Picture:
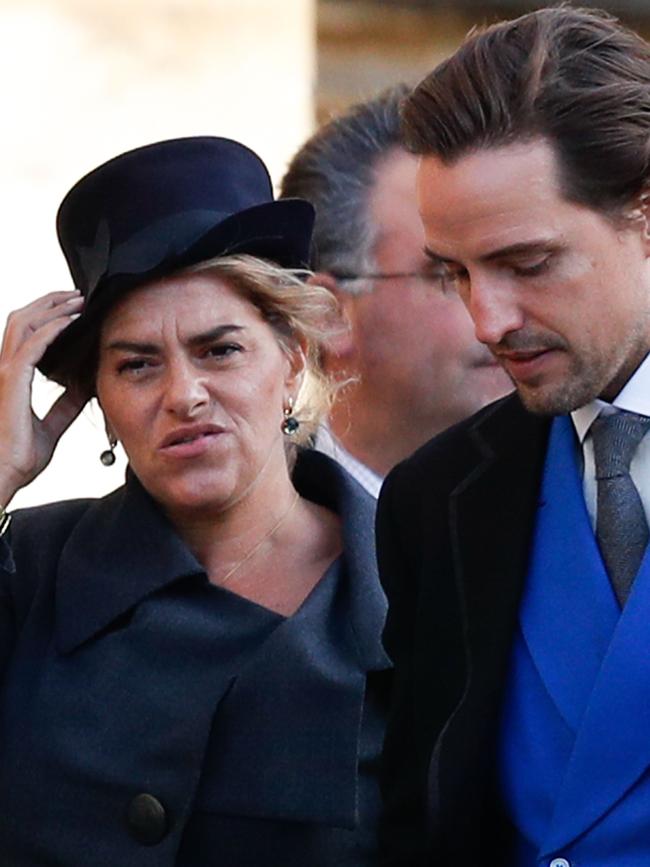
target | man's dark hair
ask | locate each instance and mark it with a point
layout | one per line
(575, 77)
(335, 170)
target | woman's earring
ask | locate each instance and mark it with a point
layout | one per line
(107, 457)
(290, 424)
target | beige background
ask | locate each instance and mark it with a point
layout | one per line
(83, 80)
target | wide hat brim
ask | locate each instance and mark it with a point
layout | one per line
(125, 225)
(279, 231)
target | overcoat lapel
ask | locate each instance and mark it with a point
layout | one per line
(302, 729)
(117, 713)
(332, 487)
(311, 756)
(122, 550)
(491, 516)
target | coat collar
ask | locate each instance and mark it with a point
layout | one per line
(324, 481)
(124, 549)
(329, 645)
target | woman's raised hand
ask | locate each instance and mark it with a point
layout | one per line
(27, 442)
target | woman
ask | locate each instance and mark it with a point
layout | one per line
(192, 665)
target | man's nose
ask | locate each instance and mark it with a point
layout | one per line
(494, 309)
(185, 388)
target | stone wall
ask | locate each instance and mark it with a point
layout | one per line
(364, 46)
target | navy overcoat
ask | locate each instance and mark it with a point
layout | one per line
(112, 680)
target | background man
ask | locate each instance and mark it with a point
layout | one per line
(512, 547)
(410, 351)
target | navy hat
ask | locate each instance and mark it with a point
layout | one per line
(160, 208)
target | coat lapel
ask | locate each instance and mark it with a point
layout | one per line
(491, 515)
(131, 711)
(305, 731)
(302, 729)
(568, 612)
(612, 749)
(330, 485)
(122, 550)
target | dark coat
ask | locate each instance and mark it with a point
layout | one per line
(112, 679)
(454, 530)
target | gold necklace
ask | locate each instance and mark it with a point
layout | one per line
(264, 539)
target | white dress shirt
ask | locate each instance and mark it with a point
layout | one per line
(634, 397)
(327, 443)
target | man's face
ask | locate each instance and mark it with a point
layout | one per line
(415, 344)
(557, 291)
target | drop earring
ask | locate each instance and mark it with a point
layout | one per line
(290, 424)
(107, 457)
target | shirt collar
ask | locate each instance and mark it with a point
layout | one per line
(633, 397)
(330, 445)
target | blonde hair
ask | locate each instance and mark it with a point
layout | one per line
(303, 316)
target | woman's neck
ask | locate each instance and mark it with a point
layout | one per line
(221, 536)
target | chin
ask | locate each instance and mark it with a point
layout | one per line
(556, 401)
(192, 496)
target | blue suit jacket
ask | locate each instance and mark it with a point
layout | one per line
(574, 741)
(111, 679)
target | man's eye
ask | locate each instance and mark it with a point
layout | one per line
(532, 267)
(223, 350)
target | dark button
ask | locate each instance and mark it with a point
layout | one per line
(146, 819)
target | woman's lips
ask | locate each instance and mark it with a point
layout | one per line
(190, 442)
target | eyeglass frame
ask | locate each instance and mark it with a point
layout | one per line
(396, 275)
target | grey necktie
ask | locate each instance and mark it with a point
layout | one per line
(621, 527)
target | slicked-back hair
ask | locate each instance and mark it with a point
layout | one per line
(335, 170)
(574, 77)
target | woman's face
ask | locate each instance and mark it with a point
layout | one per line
(193, 383)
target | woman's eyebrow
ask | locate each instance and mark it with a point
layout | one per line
(148, 348)
(133, 346)
(213, 334)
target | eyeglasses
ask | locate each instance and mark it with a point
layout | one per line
(437, 277)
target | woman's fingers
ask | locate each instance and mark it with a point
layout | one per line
(29, 350)
(27, 443)
(30, 320)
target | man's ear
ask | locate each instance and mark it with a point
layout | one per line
(639, 213)
(644, 209)
(340, 342)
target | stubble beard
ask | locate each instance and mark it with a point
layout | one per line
(557, 399)
(587, 379)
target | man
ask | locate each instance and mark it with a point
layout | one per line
(410, 358)
(512, 547)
